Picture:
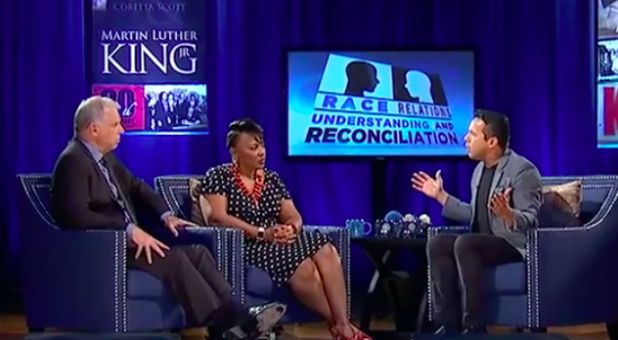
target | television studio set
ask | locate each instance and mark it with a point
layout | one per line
(309, 169)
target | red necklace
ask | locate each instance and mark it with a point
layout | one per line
(256, 193)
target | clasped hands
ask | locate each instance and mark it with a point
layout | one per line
(281, 234)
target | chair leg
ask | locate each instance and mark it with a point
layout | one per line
(532, 329)
(538, 330)
(612, 330)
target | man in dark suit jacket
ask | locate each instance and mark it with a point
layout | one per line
(92, 189)
(506, 198)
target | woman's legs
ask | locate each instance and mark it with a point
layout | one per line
(319, 284)
(329, 266)
(307, 285)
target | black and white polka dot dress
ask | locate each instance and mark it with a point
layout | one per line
(279, 261)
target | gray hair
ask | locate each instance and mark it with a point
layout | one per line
(91, 110)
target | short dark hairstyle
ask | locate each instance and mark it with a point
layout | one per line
(246, 125)
(496, 125)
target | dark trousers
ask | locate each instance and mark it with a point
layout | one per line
(192, 276)
(457, 264)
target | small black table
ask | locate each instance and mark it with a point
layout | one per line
(410, 316)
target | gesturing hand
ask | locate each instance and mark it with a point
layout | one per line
(431, 187)
(500, 206)
(148, 244)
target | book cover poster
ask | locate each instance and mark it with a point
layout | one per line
(137, 44)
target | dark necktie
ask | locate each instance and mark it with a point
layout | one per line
(114, 189)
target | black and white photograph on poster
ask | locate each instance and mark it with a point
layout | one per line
(176, 107)
(608, 18)
(608, 60)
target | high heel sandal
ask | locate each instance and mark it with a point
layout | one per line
(338, 336)
(360, 335)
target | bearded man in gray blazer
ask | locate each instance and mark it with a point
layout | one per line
(506, 198)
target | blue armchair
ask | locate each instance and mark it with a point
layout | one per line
(569, 275)
(79, 280)
(252, 285)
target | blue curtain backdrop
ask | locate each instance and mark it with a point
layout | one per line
(534, 62)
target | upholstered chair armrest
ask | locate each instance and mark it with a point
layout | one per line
(75, 272)
(339, 235)
(574, 265)
(234, 241)
(436, 230)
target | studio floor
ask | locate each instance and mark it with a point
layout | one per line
(13, 327)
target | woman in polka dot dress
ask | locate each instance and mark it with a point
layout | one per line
(248, 197)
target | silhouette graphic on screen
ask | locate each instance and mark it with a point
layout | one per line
(362, 76)
(418, 85)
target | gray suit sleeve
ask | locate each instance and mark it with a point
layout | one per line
(526, 198)
(460, 211)
(457, 210)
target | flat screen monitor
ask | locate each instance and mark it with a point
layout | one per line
(379, 103)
